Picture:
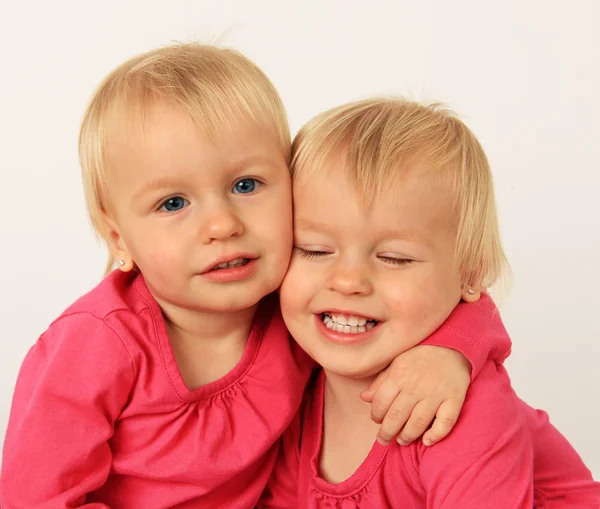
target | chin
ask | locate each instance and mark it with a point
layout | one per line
(233, 298)
(353, 369)
(232, 304)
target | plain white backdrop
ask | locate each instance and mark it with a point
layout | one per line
(525, 75)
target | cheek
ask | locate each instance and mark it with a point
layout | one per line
(298, 289)
(412, 304)
(275, 224)
(425, 301)
(297, 292)
(155, 253)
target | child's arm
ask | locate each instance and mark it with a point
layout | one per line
(488, 459)
(73, 384)
(475, 330)
(281, 491)
(430, 381)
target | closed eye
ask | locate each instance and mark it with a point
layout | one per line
(395, 261)
(310, 254)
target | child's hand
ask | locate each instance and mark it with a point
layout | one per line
(422, 384)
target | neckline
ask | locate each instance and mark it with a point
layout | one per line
(366, 470)
(183, 392)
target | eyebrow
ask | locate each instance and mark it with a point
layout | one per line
(385, 234)
(403, 235)
(168, 182)
(309, 225)
(254, 160)
(157, 184)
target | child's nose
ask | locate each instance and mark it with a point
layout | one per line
(350, 279)
(221, 224)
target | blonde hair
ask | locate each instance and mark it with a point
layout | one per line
(381, 137)
(216, 87)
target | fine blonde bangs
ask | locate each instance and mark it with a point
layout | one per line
(380, 138)
(216, 87)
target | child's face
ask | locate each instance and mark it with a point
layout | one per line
(180, 205)
(392, 262)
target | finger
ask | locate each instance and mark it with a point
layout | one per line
(445, 419)
(369, 392)
(396, 417)
(420, 419)
(383, 399)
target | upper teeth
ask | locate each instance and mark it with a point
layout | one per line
(349, 324)
(232, 263)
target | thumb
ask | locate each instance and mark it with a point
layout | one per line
(368, 394)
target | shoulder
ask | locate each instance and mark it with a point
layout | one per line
(79, 355)
(491, 424)
(118, 291)
(105, 322)
(491, 394)
(119, 307)
(491, 408)
(487, 460)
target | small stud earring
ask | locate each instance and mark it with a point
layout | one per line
(121, 263)
(470, 291)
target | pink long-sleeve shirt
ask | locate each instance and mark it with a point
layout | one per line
(101, 417)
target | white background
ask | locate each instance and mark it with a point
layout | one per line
(524, 75)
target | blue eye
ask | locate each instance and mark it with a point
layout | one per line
(174, 204)
(246, 186)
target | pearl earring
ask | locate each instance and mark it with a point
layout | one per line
(121, 263)
(470, 291)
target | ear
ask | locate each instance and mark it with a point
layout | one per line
(112, 236)
(470, 294)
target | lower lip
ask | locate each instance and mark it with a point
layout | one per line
(342, 337)
(232, 274)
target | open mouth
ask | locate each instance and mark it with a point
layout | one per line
(349, 324)
(238, 262)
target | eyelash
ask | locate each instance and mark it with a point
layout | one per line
(310, 255)
(396, 261)
(257, 185)
(162, 206)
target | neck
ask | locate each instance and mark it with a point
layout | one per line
(207, 326)
(343, 393)
(348, 431)
(206, 345)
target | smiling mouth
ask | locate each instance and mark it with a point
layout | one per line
(238, 262)
(352, 324)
